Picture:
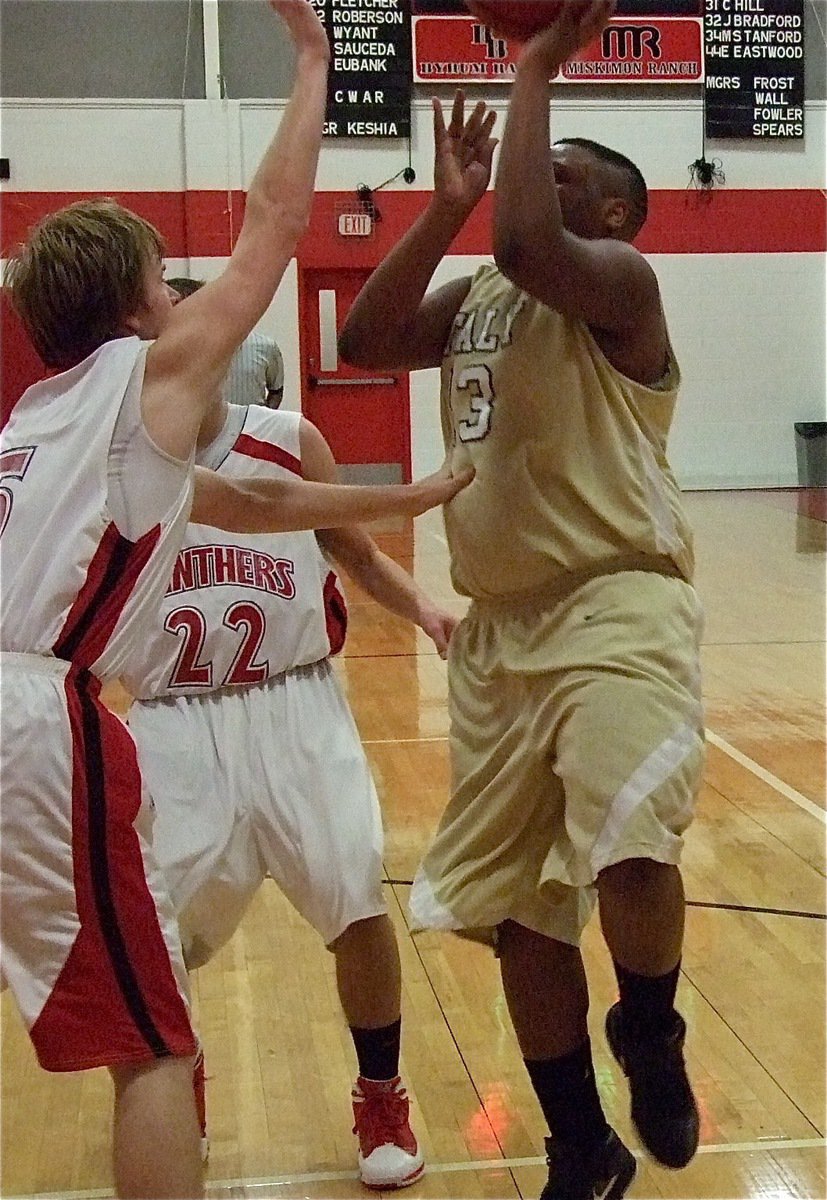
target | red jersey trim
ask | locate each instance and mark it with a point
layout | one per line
(110, 580)
(254, 448)
(335, 613)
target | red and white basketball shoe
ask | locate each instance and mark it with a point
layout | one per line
(389, 1156)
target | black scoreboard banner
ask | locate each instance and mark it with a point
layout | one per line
(754, 52)
(371, 69)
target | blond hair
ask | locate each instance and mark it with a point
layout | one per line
(78, 275)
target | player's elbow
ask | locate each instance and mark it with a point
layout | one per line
(371, 345)
(354, 345)
(532, 264)
(282, 219)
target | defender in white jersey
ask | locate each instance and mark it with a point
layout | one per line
(243, 643)
(97, 481)
(576, 720)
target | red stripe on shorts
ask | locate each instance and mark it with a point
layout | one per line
(116, 1000)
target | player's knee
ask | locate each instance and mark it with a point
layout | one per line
(634, 876)
(363, 929)
(153, 1069)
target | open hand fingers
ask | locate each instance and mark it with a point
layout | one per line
(457, 115)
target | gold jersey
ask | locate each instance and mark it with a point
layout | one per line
(570, 455)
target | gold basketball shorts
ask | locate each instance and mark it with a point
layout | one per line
(576, 743)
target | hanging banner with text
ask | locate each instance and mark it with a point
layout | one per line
(754, 68)
(370, 83)
(648, 41)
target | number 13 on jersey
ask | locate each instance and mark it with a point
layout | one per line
(474, 390)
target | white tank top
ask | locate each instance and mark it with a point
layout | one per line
(241, 608)
(74, 587)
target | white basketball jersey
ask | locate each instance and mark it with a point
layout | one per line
(241, 608)
(73, 586)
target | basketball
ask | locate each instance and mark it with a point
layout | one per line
(518, 19)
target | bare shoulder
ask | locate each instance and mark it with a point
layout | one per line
(318, 463)
(641, 350)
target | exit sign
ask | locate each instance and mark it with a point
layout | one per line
(355, 224)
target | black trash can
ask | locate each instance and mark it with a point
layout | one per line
(811, 453)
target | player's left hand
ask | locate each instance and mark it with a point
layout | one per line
(579, 23)
(439, 626)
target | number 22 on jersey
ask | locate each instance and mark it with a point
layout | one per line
(189, 622)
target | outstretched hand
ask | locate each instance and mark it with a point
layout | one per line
(463, 153)
(438, 488)
(578, 24)
(306, 29)
(439, 625)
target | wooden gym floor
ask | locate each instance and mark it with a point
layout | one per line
(278, 1054)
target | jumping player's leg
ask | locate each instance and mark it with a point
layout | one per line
(627, 807)
(156, 1142)
(642, 917)
(545, 986)
(642, 912)
(544, 981)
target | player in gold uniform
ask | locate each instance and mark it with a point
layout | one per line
(576, 720)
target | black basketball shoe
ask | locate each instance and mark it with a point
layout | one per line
(603, 1173)
(663, 1108)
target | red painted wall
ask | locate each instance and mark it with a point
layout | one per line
(199, 224)
(20, 365)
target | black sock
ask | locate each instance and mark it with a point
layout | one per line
(567, 1091)
(378, 1050)
(647, 1001)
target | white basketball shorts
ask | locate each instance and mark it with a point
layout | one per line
(265, 780)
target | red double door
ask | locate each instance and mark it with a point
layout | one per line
(364, 415)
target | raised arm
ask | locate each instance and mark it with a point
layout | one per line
(601, 279)
(188, 361)
(392, 323)
(355, 551)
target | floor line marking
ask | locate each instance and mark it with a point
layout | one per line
(488, 1164)
(761, 773)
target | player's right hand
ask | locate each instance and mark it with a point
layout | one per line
(580, 22)
(438, 488)
(306, 29)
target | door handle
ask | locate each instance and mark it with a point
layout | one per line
(377, 381)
